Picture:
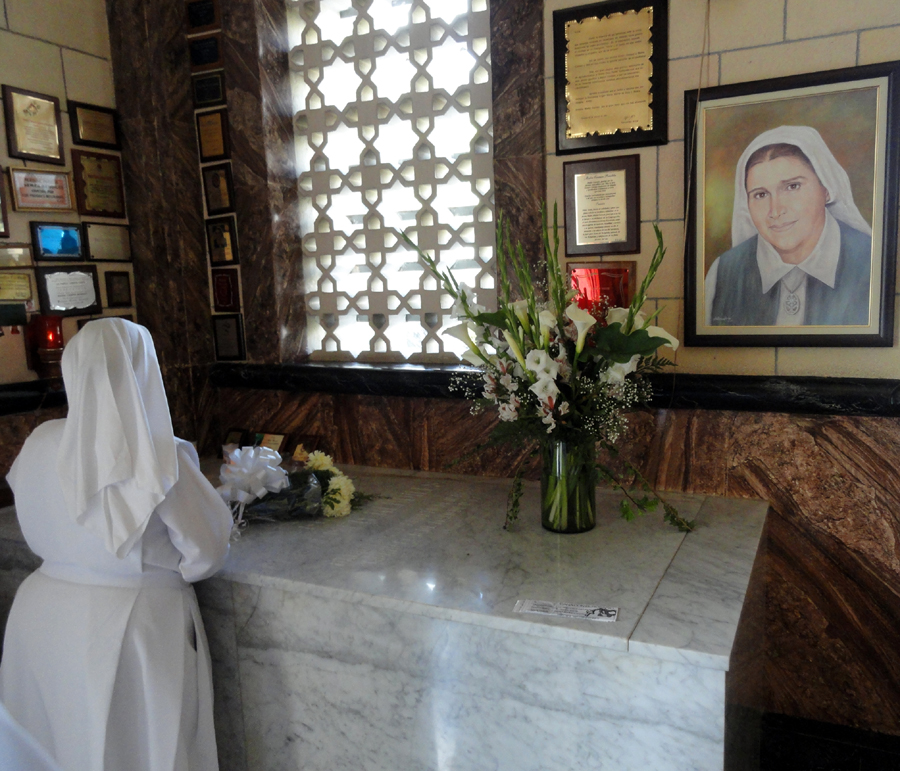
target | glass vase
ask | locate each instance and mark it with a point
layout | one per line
(568, 485)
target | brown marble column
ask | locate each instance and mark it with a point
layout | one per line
(517, 71)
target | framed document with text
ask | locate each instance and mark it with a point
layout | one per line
(218, 189)
(221, 235)
(212, 135)
(611, 75)
(228, 336)
(93, 126)
(118, 289)
(106, 243)
(98, 184)
(33, 126)
(602, 204)
(4, 220)
(35, 190)
(69, 290)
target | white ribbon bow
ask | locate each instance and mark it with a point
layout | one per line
(249, 473)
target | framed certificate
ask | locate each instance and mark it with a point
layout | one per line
(98, 184)
(610, 62)
(208, 89)
(57, 241)
(35, 190)
(212, 135)
(118, 289)
(68, 290)
(4, 220)
(106, 243)
(93, 126)
(18, 286)
(218, 189)
(33, 126)
(602, 203)
(221, 236)
(205, 52)
(202, 16)
(225, 290)
(228, 335)
(15, 256)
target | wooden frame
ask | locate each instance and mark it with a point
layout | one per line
(56, 241)
(218, 188)
(41, 190)
(15, 256)
(4, 217)
(33, 126)
(107, 243)
(205, 52)
(118, 289)
(614, 281)
(18, 286)
(221, 237)
(201, 16)
(212, 135)
(602, 206)
(59, 300)
(99, 190)
(94, 126)
(208, 89)
(591, 112)
(226, 292)
(228, 336)
(273, 441)
(847, 124)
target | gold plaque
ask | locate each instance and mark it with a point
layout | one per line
(608, 74)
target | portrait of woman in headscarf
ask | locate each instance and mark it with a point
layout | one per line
(105, 661)
(801, 250)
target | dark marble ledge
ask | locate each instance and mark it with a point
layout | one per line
(31, 396)
(800, 395)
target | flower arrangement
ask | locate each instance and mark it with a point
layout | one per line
(559, 370)
(257, 487)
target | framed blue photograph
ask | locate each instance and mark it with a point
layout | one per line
(59, 241)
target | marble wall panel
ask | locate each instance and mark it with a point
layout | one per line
(517, 77)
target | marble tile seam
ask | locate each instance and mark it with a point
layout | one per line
(504, 623)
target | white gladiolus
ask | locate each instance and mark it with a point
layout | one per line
(539, 362)
(545, 388)
(583, 322)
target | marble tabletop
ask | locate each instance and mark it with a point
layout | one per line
(433, 544)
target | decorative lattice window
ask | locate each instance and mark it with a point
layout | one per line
(392, 124)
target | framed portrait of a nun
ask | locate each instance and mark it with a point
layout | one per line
(792, 197)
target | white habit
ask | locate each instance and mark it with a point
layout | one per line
(105, 661)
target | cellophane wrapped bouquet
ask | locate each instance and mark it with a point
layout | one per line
(556, 367)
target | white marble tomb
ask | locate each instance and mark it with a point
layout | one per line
(387, 641)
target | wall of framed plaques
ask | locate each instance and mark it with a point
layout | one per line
(65, 243)
(203, 28)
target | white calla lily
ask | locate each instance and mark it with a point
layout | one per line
(617, 372)
(548, 322)
(660, 332)
(583, 322)
(472, 358)
(461, 332)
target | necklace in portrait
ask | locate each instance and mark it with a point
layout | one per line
(791, 301)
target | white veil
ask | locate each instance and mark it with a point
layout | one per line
(117, 457)
(831, 174)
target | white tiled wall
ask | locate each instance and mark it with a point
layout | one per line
(60, 48)
(749, 40)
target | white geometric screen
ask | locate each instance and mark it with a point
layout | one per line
(392, 123)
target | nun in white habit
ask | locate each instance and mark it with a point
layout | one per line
(105, 661)
(801, 250)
